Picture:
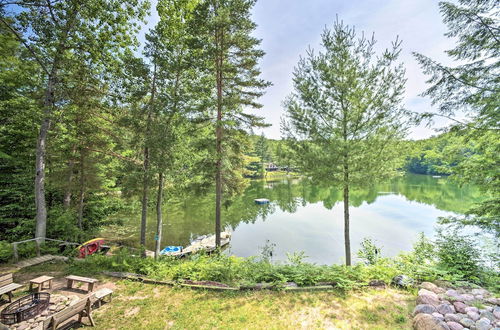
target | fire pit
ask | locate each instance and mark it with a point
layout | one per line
(25, 308)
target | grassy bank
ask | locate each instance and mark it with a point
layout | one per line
(145, 306)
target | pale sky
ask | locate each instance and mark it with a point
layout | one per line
(288, 27)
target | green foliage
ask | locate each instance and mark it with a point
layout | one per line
(369, 252)
(472, 87)
(6, 251)
(459, 255)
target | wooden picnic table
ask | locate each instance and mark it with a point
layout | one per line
(90, 281)
(40, 281)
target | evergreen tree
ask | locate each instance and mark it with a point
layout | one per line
(52, 31)
(229, 56)
(345, 115)
(472, 87)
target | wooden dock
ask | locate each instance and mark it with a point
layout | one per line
(39, 260)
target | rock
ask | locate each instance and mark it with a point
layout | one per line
(438, 316)
(496, 312)
(471, 309)
(452, 318)
(445, 309)
(454, 325)
(479, 297)
(460, 307)
(428, 286)
(452, 293)
(482, 292)
(488, 315)
(426, 322)
(467, 322)
(493, 301)
(443, 325)
(424, 308)
(465, 297)
(473, 316)
(483, 324)
(402, 281)
(428, 300)
(377, 283)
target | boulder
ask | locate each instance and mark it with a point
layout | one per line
(445, 309)
(427, 297)
(424, 308)
(454, 325)
(438, 316)
(488, 315)
(471, 309)
(483, 324)
(493, 301)
(465, 297)
(473, 316)
(377, 283)
(466, 322)
(452, 293)
(402, 281)
(460, 307)
(481, 292)
(452, 318)
(426, 322)
(496, 312)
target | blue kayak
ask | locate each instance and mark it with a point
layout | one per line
(171, 249)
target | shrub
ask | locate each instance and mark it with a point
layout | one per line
(369, 252)
(6, 252)
(458, 254)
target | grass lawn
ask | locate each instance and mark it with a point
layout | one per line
(145, 306)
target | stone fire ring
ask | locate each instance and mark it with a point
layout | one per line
(25, 308)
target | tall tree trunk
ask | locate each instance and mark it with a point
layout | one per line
(347, 239)
(81, 199)
(145, 182)
(41, 146)
(145, 188)
(218, 136)
(159, 219)
(69, 183)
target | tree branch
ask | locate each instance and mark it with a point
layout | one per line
(39, 61)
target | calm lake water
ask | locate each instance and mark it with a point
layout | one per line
(308, 218)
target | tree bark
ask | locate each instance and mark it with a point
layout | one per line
(159, 219)
(41, 146)
(347, 239)
(81, 199)
(67, 191)
(218, 136)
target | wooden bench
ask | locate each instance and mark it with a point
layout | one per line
(101, 294)
(82, 308)
(7, 285)
(40, 281)
(90, 281)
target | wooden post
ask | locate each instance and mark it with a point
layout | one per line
(37, 244)
(16, 253)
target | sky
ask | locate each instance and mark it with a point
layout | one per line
(289, 27)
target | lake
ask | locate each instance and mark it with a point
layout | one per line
(309, 218)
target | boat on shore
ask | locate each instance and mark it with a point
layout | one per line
(204, 243)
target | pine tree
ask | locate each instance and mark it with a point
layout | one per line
(473, 88)
(230, 58)
(345, 115)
